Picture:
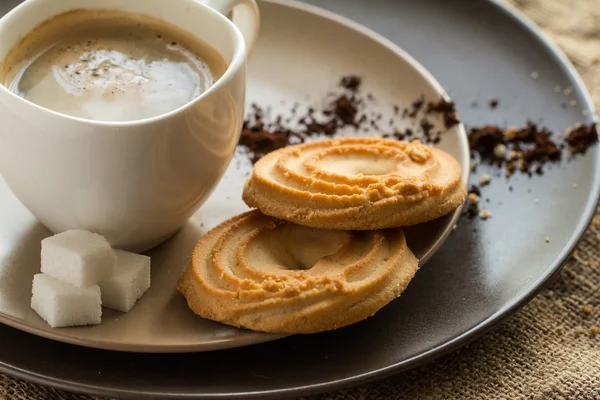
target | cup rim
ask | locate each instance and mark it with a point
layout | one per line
(236, 63)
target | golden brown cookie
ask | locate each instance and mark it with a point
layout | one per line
(356, 184)
(264, 274)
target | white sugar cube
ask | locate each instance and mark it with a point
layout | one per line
(62, 305)
(78, 257)
(129, 282)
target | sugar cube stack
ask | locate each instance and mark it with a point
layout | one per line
(129, 282)
(78, 257)
(61, 304)
(80, 273)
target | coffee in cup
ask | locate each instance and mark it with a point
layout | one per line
(108, 65)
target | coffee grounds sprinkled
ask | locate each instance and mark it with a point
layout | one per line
(345, 110)
(447, 110)
(471, 208)
(527, 149)
(345, 107)
(581, 137)
(485, 139)
(351, 82)
(542, 151)
(262, 141)
(428, 134)
(416, 107)
(261, 138)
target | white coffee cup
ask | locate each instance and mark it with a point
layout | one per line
(135, 182)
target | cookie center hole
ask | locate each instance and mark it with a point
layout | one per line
(359, 164)
(294, 247)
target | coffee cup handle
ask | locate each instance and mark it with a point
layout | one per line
(245, 16)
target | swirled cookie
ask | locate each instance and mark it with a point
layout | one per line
(356, 184)
(264, 274)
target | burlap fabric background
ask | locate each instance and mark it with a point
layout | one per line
(549, 349)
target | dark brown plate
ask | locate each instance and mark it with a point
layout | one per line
(485, 270)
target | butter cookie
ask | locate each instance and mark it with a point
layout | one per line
(264, 274)
(356, 184)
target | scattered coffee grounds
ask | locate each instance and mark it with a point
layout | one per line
(345, 110)
(416, 107)
(543, 150)
(328, 128)
(581, 137)
(342, 112)
(345, 107)
(261, 140)
(485, 139)
(526, 149)
(448, 111)
(471, 208)
(260, 137)
(351, 82)
(475, 189)
(494, 104)
(427, 128)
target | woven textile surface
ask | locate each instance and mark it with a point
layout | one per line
(548, 350)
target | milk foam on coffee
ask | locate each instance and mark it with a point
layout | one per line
(110, 66)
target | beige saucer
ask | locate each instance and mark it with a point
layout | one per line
(356, 184)
(161, 321)
(256, 272)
